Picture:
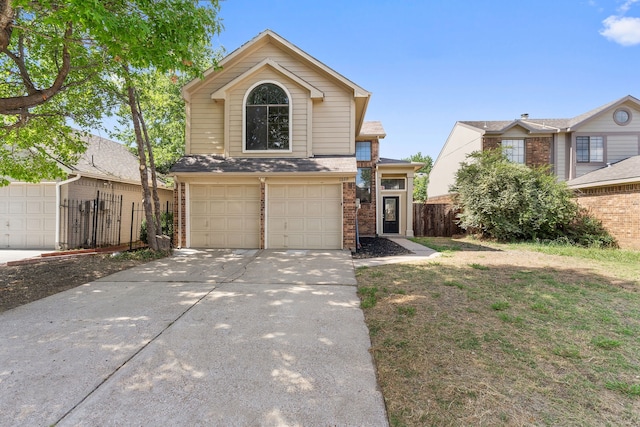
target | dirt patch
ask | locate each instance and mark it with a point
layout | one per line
(22, 284)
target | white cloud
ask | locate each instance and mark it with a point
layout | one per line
(622, 30)
(626, 6)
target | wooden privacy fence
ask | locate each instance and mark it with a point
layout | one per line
(435, 220)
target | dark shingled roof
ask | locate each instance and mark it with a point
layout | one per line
(624, 171)
(218, 164)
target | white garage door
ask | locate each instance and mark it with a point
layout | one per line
(304, 216)
(28, 216)
(225, 216)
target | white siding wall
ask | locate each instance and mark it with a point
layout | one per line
(462, 141)
(331, 120)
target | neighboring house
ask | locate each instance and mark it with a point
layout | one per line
(57, 214)
(612, 194)
(572, 147)
(278, 151)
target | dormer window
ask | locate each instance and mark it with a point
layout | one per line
(267, 119)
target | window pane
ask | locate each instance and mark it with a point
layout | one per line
(363, 151)
(267, 118)
(363, 185)
(279, 128)
(256, 128)
(513, 149)
(267, 93)
(582, 149)
(596, 149)
(392, 183)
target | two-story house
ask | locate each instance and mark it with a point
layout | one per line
(572, 147)
(279, 155)
(597, 153)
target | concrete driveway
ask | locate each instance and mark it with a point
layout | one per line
(215, 338)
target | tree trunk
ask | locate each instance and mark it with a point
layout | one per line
(152, 166)
(144, 176)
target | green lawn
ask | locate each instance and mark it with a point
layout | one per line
(507, 335)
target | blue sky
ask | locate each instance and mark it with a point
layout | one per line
(430, 63)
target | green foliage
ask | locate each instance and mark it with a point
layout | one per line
(420, 188)
(510, 202)
(421, 179)
(62, 60)
(166, 222)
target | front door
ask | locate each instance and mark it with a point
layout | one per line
(391, 215)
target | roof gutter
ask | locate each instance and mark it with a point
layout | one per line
(58, 187)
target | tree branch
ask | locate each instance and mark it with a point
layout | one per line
(18, 104)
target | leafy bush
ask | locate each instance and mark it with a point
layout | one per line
(509, 201)
(166, 221)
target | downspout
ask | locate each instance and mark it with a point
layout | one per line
(58, 187)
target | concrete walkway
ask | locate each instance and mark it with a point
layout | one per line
(211, 338)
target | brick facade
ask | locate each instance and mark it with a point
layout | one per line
(179, 215)
(618, 207)
(367, 212)
(537, 150)
(349, 215)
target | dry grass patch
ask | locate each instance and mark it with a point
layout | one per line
(504, 337)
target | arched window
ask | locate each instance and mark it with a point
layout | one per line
(267, 118)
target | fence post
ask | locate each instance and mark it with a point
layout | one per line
(133, 206)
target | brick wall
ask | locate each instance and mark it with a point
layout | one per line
(367, 212)
(349, 215)
(537, 150)
(179, 215)
(618, 207)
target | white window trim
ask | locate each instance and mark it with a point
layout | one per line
(244, 119)
(508, 148)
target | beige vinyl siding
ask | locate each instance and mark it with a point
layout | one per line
(515, 132)
(560, 157)
(605, 123)
(332, 124)
(331, 121)
(298, 103)
(206, 125)
(620, 147)
(462, 141)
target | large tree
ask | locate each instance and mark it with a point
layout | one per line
(100, 49)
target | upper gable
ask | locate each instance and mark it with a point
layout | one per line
(605, 121)
(326, 108)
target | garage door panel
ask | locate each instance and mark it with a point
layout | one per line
(225, 216)
(28, 215)
(218, 207)
(198, 192)
(296, 208)
(304, 216)
(235, 207)
(199, 207)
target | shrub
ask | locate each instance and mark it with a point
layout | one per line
(166, 221)
(508, 201)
